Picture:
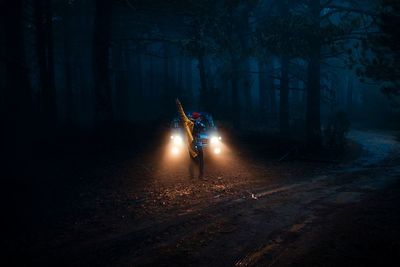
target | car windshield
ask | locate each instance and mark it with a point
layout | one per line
(208, 123)
(206, 119)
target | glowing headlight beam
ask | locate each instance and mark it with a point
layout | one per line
(177, 140)
(214, 140)
(175, 150)
(217, 150)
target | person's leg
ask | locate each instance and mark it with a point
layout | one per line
(200, 161)
(192, 164)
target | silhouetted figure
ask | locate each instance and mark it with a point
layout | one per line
(193, 127)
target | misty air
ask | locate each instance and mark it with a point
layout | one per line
(200, 132)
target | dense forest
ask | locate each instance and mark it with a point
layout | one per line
(112, 158)
(289, 66)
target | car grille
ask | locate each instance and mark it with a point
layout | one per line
(204, 141)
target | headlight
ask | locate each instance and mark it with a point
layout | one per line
(175, 150)
(214, 140)
(177, 140)
(217, 150)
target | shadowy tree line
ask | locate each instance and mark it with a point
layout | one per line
(131, 53)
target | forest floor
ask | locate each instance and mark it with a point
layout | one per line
(143, 209)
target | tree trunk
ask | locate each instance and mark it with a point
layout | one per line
(45, 52)
(68, 67)
(139, 77)
(167, 79)
(350, 86)
(50, 90)
(129, 82)
(284, 97)
(284, 81)
(121, 83)
(246, 43)
(236, 109)
(180, 75)
(151, 75)
(262, 90)
(313, 120)
(188, 78)
(203, 81)
(271, 96)
(16, 99)
(235, 112)
(101, 47)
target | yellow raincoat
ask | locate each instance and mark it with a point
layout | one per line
(188, 128)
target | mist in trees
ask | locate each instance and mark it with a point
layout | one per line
(284, 66)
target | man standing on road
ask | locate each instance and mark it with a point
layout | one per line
(193, 127)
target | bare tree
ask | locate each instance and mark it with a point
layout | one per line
(101, 57)
(45, 53)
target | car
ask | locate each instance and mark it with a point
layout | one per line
(210, 138)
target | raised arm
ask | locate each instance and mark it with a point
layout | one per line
(181, 112)
(187, 126)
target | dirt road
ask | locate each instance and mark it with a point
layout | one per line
(247, 213)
